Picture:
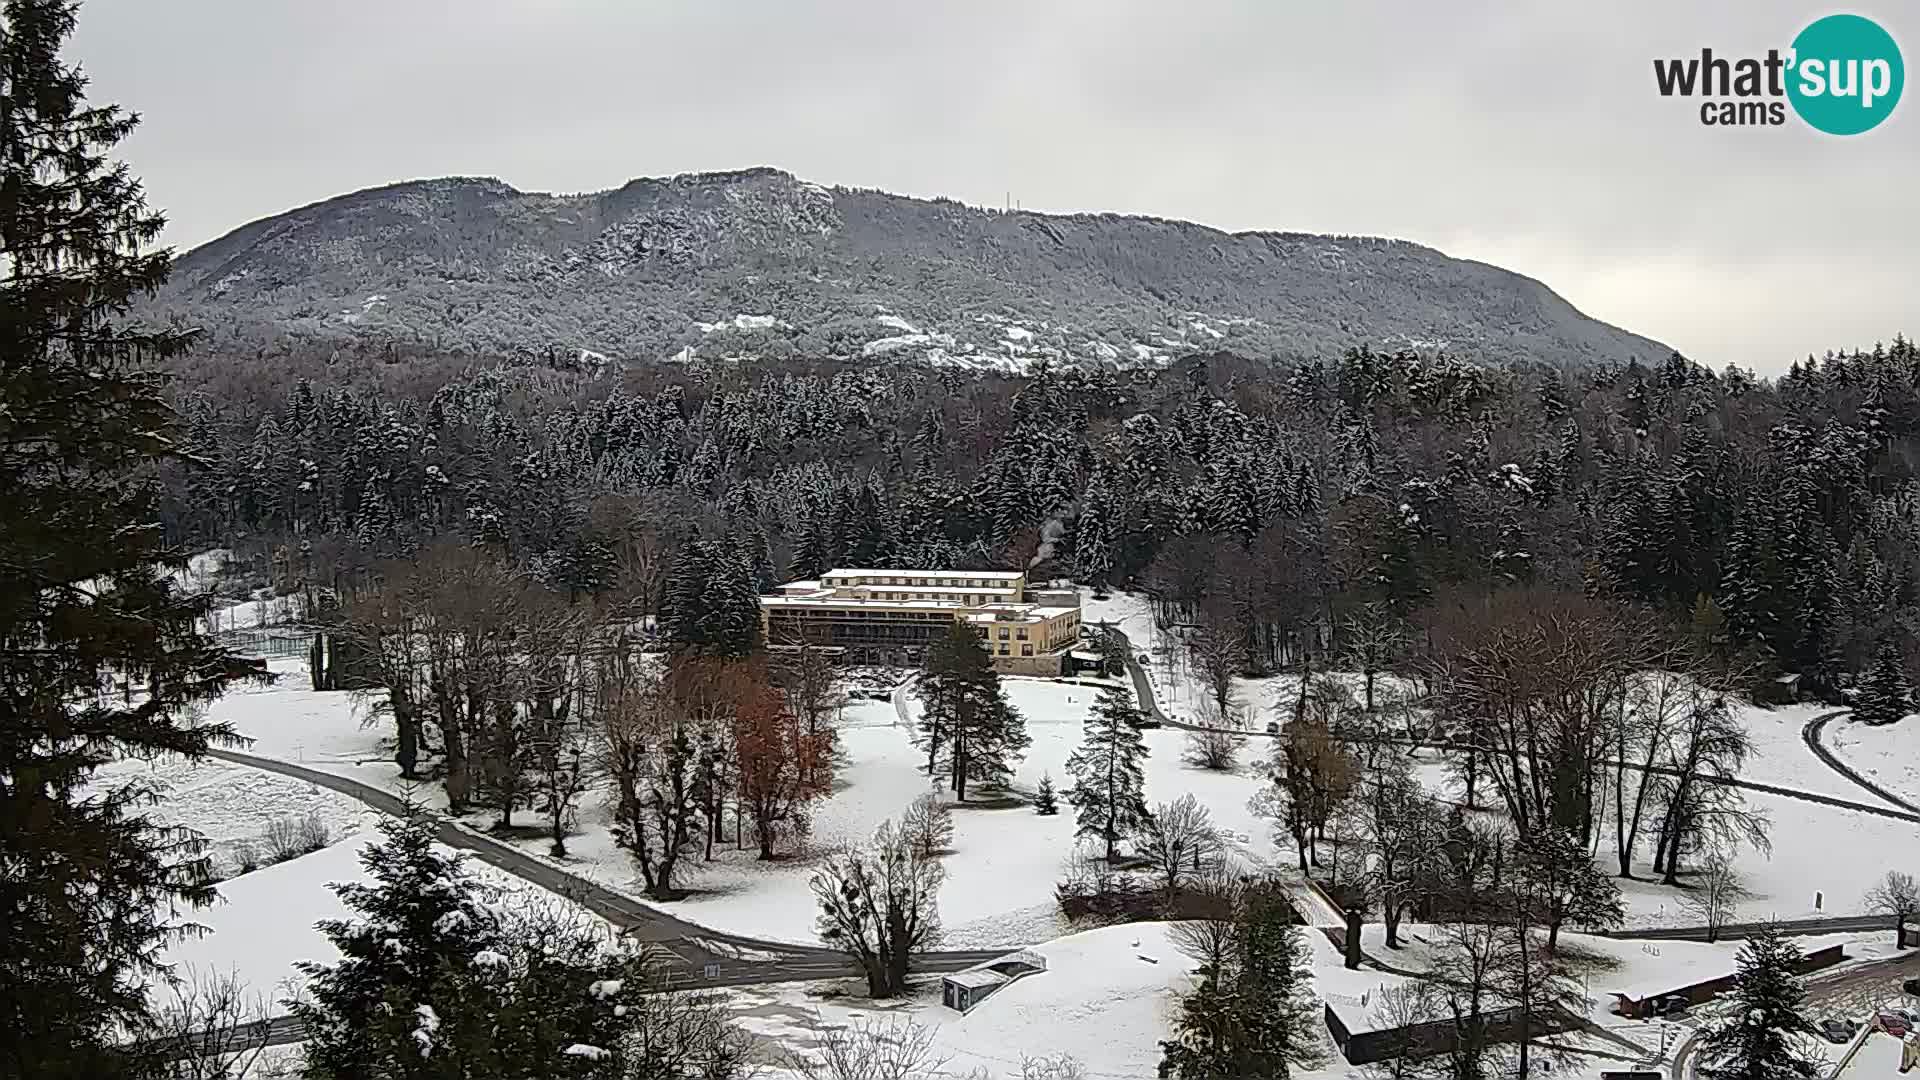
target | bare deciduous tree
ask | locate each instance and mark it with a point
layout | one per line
(879, 903)
(868, 1049)
(1374, 640)
(1218, 650)
(1897, 896)
(1406, 1006)
(1310, 774)
(1216, 745)
(1052, 1067)
(813, 691)
(1715, 894)
(1398, 832)
(647, 752)
(212, 1029)
(1181, 843)
(927, 824)
(292, 837)
(1536, 679)
(1212, 908)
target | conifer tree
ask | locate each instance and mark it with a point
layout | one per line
(434, 981)
(1759, 1038)
(1108, 781)
(86, 599)
(967, 721)
(1885, 695)
(712, 606)
(1046, 802)
(416, 918)
(1256, 1016)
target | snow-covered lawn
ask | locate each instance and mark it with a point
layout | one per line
(1879, 1058)
(1107, 999)
(1889, 755)
(264, 922)
(1006, 859)
(1000, 875)
(232, 804)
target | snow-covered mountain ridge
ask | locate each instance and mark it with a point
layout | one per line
(759, 264)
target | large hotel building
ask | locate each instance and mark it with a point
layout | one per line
(892, 615)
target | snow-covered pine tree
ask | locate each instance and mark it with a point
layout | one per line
(1257, 1016)
(808, 559)
(1759, 1038)
(712, 605)
(1046, 802)
(435, 980)
(86, 598)
(734, 599)
(1885, 694)
(1108, 792)
(415, 919)
(1093, 533)
(967, 721)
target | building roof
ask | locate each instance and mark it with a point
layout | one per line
(976, 977)
(978, 588)
(965, 575)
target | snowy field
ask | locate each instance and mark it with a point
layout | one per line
(1107, 999)
(1889, 755)
(1000, 874)
(1006, 859)
(264, 922)
(232, 804)
(1823, 859)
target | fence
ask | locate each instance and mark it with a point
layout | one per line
(273, 643)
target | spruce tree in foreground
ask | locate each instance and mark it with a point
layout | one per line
(438, 978)
(1885, 695)
(88, 883)
(1108, 782)
(1256, 1016)
(1762, 1035)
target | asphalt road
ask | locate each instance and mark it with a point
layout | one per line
(1811, 734)
(696, 956)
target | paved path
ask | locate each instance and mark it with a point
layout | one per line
(694, 949)
(699, 957)
(1811, 734)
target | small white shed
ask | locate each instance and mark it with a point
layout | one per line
(962, 990)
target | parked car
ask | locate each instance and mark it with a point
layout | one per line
(1836, 1030)
(1911, 986)
(1273, 727)
(1893, 1023)
(1671, 1005)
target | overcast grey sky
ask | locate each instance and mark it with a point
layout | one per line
(1527, 135)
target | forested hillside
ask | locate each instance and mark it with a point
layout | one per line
(1291, 503)
(758, 265)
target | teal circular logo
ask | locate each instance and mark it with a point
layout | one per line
(1846, 74)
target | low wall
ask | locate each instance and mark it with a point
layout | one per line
(1437, 1036)
(1046, 665)
(1696, 993)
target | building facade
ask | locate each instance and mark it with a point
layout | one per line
(892, 616)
